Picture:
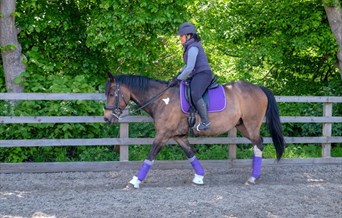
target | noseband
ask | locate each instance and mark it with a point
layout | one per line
(116, 109)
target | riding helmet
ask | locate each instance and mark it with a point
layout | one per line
(186, 28)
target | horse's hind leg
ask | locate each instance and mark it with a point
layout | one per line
(253, 134)
(189, 152)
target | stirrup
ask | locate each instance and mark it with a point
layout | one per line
(203, 126)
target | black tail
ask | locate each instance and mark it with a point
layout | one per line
(273, 123)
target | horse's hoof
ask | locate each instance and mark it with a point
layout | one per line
(135, 182)
(250, 181)
(128, 187)
(198, 179)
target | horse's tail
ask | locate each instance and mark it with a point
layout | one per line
(273, 123)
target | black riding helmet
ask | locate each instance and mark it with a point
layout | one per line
(186, 28)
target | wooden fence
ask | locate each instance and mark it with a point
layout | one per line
(327, 119)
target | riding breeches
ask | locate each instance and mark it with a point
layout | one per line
(199, 84)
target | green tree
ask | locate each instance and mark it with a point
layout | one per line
(10, 48)
(133, 35)
(271, 42)
(94, 37)
(71, 45)
(334, 14)
(54, 40)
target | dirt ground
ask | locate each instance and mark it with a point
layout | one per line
(282, 191)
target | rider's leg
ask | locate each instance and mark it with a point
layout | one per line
(199, 84)
(203, 112)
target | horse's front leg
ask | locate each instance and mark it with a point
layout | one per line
(189, 152)
(145, 167)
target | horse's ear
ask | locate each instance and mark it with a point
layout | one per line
(111, 76)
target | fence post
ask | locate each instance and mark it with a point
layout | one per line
(326, 147)
(232, 147)
(124, 133)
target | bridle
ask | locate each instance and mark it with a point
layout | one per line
(117, 110)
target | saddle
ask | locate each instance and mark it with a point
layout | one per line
(214, 97)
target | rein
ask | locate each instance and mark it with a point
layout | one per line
(149, 101)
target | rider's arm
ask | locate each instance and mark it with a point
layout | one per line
(192, 56)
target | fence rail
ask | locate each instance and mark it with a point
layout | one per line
(327, 120)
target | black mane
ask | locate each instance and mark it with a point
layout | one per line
(134, 82)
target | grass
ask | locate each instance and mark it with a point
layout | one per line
(220, 152)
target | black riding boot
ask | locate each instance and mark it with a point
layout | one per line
(203, 112)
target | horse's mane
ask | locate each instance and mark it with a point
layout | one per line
(134, 82)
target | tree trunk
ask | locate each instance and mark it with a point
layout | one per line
(10, 47)
(334, 14)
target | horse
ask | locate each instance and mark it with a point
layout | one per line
(247, 106)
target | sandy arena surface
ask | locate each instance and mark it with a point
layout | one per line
(282, 191)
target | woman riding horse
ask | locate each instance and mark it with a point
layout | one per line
(196, 69)
(247, 106)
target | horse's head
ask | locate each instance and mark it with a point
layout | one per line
(117, 99)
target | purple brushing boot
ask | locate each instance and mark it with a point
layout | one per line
(199, 171)
(145, 167)
(256, 166)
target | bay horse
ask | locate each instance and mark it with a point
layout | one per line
(247, 106)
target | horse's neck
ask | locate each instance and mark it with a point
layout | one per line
(143, 98)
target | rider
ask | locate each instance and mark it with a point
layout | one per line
(197, 68)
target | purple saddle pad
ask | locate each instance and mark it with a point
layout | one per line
(217, 99)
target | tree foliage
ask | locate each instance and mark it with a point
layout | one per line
(268, 42)
(274, 41)
(71, 45)
(94, 37)
(131, 34)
